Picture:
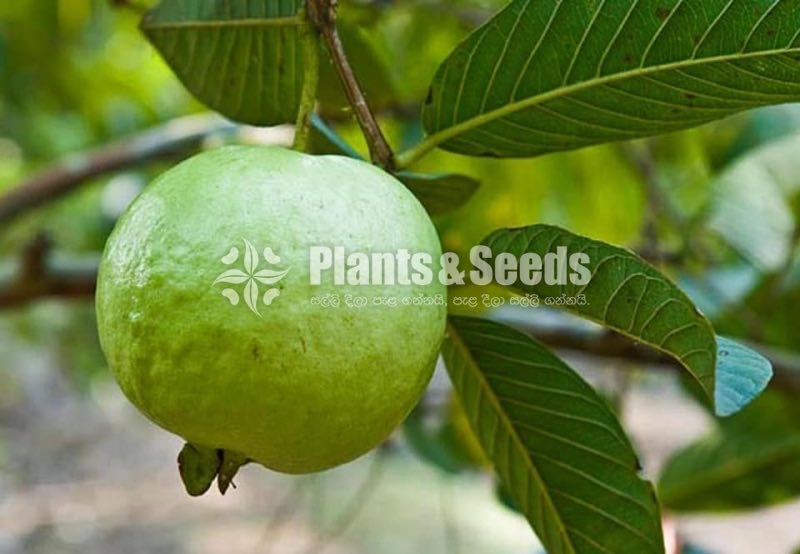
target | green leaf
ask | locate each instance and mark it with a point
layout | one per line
(628, 295)
(230, 462)
(759, 189)
(433, 444)
(557, 447)
(550, 75)
(506, 499)
(198, 467)
(732, 471)
(751, 461)
(754, 130)
(242, 59)
(439, 193)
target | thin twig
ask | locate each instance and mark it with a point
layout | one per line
(655, 201)
(323, 14)
(308, 98)
(318, 496)
(451, 538)
(77, 278)
(285, 509)
(170, 138)
(607, 344)
(353, 509)
(659, 207)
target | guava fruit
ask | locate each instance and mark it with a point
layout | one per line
(212, 328)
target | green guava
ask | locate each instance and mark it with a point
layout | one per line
(211, 325)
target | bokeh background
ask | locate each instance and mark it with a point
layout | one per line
(82, 471)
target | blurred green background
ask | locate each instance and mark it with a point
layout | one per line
(81, 471)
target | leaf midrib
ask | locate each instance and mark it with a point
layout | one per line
(459, 344)
(255, 23)
(407, 158)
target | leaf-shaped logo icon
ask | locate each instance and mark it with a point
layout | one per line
(233, 276)
(251, 276)
(231, 257)
(251, 295)
(269, 277)
(250, 258)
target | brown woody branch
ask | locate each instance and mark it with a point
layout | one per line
(607, 344)
(323, 14)
(167, 139)
(40, 276)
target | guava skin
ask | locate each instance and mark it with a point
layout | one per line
(303, 387)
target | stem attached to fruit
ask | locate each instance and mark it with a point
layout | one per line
(308, 99)
(323, 15)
